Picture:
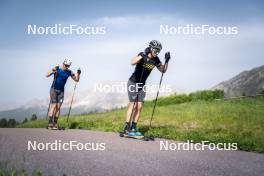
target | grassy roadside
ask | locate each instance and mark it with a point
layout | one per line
(238, 120)
(6, 170)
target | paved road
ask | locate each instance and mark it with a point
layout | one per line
(121, 156)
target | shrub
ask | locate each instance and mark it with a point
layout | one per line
(34, 117)
(3, 123)
(207, 95)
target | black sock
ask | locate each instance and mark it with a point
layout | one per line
(56, 120)
(133, 125)
(50, 119)
(127, 126)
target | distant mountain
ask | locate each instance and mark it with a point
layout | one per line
(21, 113)
(85, 102)
(35, 106)
(248, 83)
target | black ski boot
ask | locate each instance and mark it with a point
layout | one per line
(55, 123)
(126, 130)
(50, 124)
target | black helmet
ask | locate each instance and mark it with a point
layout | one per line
(154, 44)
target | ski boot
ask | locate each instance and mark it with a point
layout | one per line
(135, 132)
(50, 124)
(125, 131)
(55, 124)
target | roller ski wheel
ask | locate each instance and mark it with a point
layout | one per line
(133, 135)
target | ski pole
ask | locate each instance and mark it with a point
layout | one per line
(53, 84)
(71, 104)
(48, 112)
(167, 58)
(151, 138)
(155, 102)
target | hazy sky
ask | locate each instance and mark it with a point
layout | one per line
(198, 61)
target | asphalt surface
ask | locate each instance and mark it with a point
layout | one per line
(121, 156)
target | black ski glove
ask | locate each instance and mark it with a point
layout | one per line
(79, 71)
(167, 57)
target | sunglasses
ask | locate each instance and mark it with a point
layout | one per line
(155, 51)
(67, 65)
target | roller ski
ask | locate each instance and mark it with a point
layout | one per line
(134, 135)
(55, 128)
(131, 132)
(53, 125)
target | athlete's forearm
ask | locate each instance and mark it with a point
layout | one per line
(51, 72)
(136, 60)
(163, 68)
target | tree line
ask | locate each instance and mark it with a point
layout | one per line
(12, 123)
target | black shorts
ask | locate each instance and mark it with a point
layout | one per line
(135, 95)
(56, 96)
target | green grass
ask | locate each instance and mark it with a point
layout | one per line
(238, 120)
(6, 170)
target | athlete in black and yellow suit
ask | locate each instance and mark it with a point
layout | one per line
(145, 62)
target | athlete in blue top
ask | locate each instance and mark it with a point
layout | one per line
(61, 74)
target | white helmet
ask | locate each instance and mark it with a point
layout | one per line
(154, 44)
(67, 62)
